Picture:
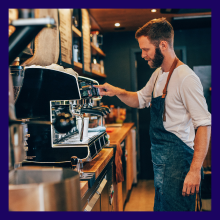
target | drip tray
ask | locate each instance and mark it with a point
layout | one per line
(90, 177)
(75, 139)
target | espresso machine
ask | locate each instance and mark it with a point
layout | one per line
(38, 188)
(58, 98)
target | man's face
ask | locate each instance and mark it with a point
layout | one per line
(150, 53)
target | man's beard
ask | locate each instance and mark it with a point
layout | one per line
(158, 58)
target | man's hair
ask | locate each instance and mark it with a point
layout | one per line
(157, 30)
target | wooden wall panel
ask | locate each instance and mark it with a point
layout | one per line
(86, 40)
(65, 28)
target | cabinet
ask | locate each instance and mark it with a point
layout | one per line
(124, 164)
(97, 206)
(122, 137)
(99, 195)
(128, 166)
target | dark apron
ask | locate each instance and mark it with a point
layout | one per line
(171, 159)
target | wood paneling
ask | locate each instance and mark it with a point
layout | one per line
(86, 39)
(130, 19)
(65, 35)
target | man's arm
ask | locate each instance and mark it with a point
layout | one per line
(193, 178)
(129, 98)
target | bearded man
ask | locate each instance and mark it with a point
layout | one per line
(178, 108)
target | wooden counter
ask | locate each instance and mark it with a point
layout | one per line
(116, 137)
(119, 133)
(96, 166)
(99, 162)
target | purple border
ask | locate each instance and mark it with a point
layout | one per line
(111, 4)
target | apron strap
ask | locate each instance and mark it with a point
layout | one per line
(168, 79)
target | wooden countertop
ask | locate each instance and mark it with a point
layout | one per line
(99, 162)
(102, 159)
(119, 133)
(95, 166)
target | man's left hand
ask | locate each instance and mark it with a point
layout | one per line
(191, 183)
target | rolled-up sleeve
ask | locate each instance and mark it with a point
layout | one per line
(144, 95)
(143, 98)
(191, 91)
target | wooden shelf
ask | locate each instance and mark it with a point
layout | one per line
(93, 74)
(98, 74)
(78, 67)
(77, 64)
(96, 50)
(76, 32)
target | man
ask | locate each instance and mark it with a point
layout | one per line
(178, 108)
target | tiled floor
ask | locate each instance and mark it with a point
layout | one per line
(142, 197)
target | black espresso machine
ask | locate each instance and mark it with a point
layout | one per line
(58, 97)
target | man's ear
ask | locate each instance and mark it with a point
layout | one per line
(163, 45)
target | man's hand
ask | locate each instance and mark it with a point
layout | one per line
(129, 98)
(193, 177)
(191, 183)
(107, 90)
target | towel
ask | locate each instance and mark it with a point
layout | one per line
(46, 43)
(119, 175)
(99, 128)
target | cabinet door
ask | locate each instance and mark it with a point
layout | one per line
(97, 206)
(129, 162)
(105, 199)
(94, 204)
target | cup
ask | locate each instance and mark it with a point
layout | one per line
(86, 125)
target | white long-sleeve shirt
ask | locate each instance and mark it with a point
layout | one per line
(186, 107)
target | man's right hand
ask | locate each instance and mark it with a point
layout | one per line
(107, 90)
(129, 98)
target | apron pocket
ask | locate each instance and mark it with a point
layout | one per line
(159, 170)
